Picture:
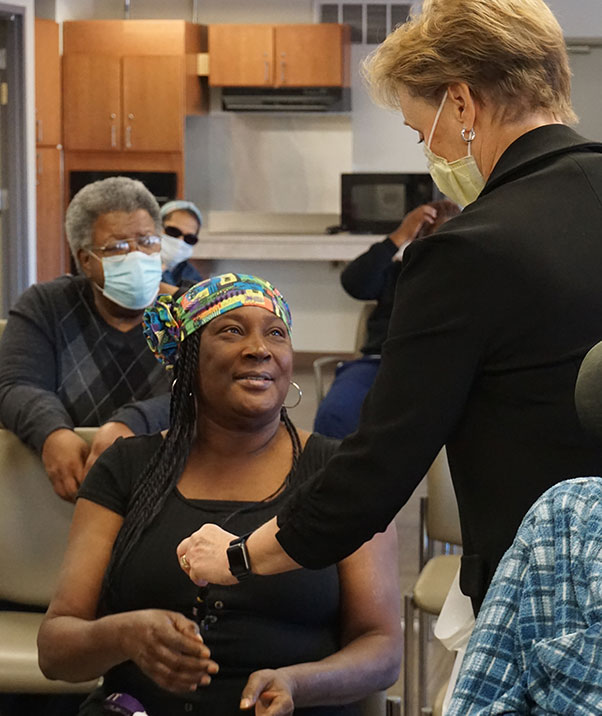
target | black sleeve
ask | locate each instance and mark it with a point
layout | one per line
(428, 366)
(145, 416)
(364, 278)
(29, 405)
(109, 482)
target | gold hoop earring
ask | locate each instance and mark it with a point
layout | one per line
(300, 395)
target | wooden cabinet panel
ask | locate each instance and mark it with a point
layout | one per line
(92, 102)
(308, 56)
(48, 83)
(153, 103)
(241, 55)
(51, 250)
(278, 55)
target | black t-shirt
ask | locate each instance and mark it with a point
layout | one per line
(264, 622)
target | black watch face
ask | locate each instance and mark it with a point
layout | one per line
(237, 560)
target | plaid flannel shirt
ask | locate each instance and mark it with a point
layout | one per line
(537, 644)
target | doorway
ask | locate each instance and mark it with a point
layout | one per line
(14, 249)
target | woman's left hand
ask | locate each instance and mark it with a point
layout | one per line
(203, 556)
(270, 692)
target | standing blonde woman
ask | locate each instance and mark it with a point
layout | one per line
(493, 314)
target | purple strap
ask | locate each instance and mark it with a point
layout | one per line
(123, 704)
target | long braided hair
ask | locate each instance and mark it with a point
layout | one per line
(167, 463)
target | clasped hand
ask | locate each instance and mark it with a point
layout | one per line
(168, 648)
(206, 560)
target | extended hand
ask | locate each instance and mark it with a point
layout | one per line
(104, 438)
(206, 560)
(168, 648)
(412, 223)
(64, 456)
(270, 692)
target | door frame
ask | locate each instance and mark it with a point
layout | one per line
(16, 156)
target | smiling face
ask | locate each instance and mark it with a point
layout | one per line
(245, 365)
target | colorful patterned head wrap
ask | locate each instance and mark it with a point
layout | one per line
(170, 321)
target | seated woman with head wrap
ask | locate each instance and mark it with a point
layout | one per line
(125, 606)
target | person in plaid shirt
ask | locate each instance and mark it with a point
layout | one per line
(537, 644)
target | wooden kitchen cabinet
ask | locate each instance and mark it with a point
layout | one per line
(48, 83)
(50, 244)
(51, 251)
(279, 55)
(92, 101)
(123, 103)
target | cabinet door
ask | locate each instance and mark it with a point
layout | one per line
(309, 56)
(241, 55)
(153, 104)
(48, 83)
(49, 199)
(91, 101)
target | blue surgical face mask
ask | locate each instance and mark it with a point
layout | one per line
(131, 281)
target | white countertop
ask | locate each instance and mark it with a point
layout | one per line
(283, 247)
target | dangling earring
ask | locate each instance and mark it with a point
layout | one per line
(468, 135)
(299, 391)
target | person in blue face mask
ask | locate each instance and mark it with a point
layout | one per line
(73, 353)
(182, 222)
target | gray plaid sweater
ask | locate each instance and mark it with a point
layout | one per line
(62, 366)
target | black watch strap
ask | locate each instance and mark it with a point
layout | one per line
(238, 558)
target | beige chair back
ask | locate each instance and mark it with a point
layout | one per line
(34, 524)
(442, 518)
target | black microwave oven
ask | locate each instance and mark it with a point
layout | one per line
(376, 203)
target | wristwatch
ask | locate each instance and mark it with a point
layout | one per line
(238, 558)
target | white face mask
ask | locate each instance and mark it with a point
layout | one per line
(174, 251)
(460, 180)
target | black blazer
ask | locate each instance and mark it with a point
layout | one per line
(493, 315)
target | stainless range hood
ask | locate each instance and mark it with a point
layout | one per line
(294, 99)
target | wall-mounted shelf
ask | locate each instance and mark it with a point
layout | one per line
(283, 247)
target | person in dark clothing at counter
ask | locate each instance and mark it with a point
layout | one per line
(372, 277)
(73, 353)
(493, 314)
(182, 222)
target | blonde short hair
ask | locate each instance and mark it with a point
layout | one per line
(510, 53)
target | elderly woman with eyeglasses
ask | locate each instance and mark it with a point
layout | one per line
(73, 353)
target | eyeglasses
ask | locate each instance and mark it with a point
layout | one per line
(176, 233)
(146, 244)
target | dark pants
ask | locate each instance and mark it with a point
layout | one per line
(338, 414)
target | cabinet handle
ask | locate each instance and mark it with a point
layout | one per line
(40, 130)
(128, 137)
(113, 136)
(266, 74)
(40, 168)
(282, 72)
